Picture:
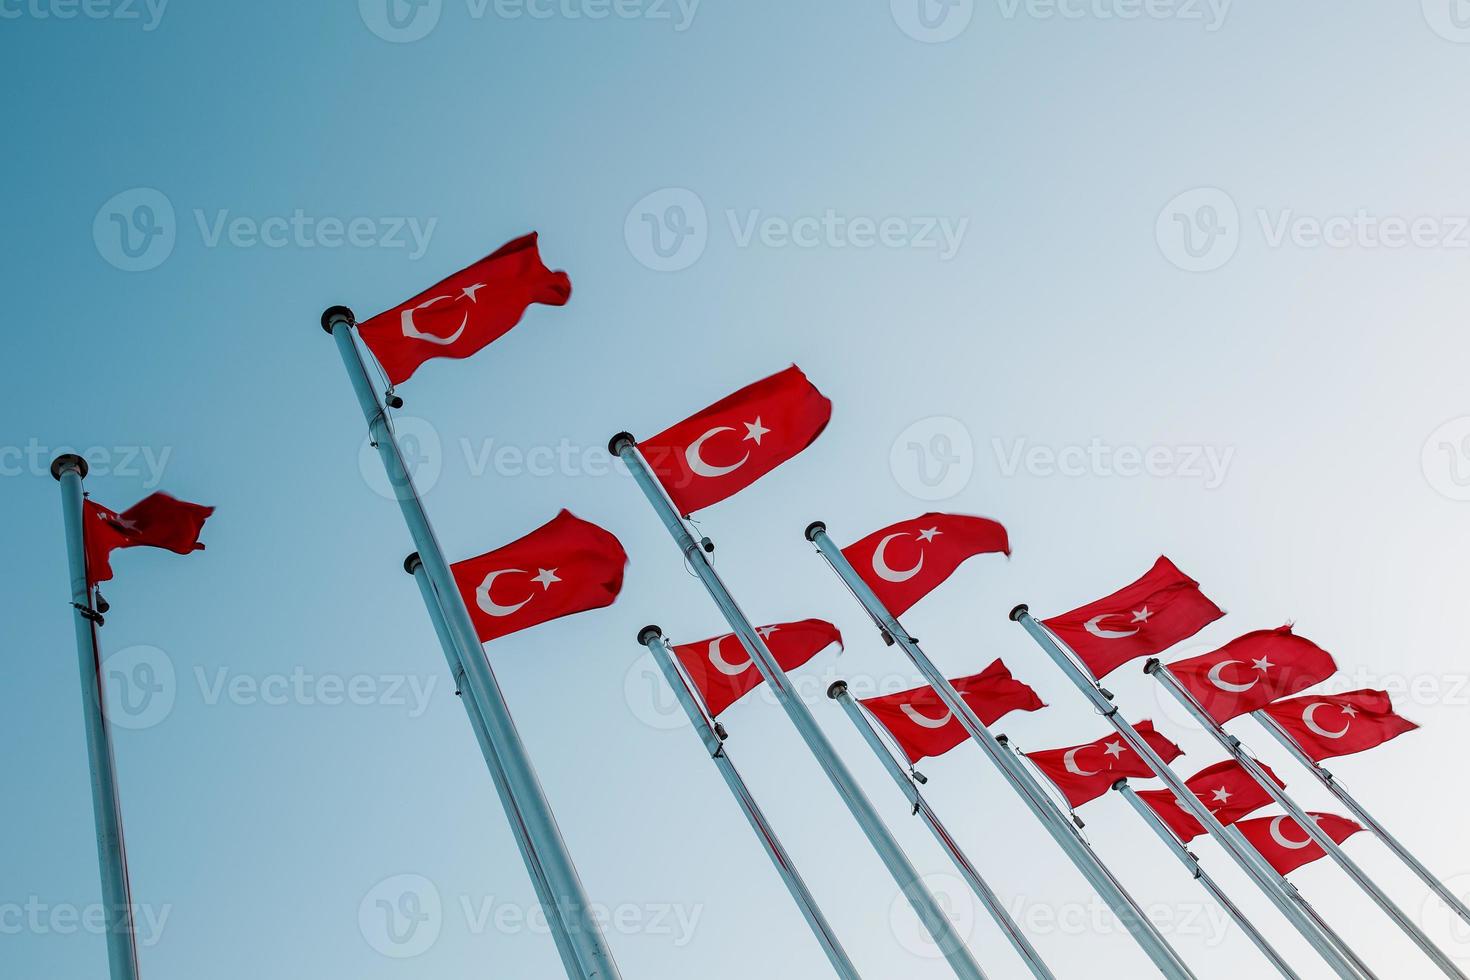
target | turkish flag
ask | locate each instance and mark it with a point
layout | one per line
(565, 566)
(1286, 846)
(1326, 726)
(906, 561)
(466, 312)
(1225, 788)
(1085, 772)
(156, 521)
(720, 451)
(1139, 620)
(921, 723)
(1253, 670)
(724, 672)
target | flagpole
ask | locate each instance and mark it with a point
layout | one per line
(1282, 893)
(652, 637)
(928, 909)
(1231, 744)
(570, 908)
(1191, 863)
(122, 947)
(838, 692)
(1328, 780)
(1124, 906)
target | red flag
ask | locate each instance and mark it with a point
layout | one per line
(566, 566)
(1085, 772)
(724, 672)
(465, 312)
(1225, 788)
(157, 521)
(720, 451)
(1139, 620)
(1252, 671)
(1286, 846)
(923, 726)
(906, 561)
(1326, 726)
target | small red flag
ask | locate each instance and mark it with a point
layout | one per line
(465, 312)
(1139, 620)
(1327, 726)
(724, 673)
(904, 562)
(921, 723)
(720, 451)
(1253, 670)
(1286, 846)
(566, 566)
(156, 521)
(1085, 772)
(1225, 788)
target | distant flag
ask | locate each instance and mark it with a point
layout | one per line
(1225, 788)
(724, 673)
(923, 726)
(904, 562)
(1253, 670)
(1085, 772)
(725, 448)
(566, 566)
(466, 312)
(156, 521)
(1141, 619)
(1327, 726)
(1286, 846)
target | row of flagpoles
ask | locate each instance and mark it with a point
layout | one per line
(570, 565)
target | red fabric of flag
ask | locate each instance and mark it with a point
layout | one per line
(1225, 788)
(1085, 772)
(923, 726)
(1327, 726)
(904, 562)
(723, 672)
(1286, 846)
(1253, 670)
(156, 521)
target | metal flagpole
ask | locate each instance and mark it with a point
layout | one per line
(1188, 859)
(1042, 807)
(570, 909)
(1343, 960)
(1327, 779)
(1231, 744)
(122, 947)
(991, 901)
(928, 909)
(714, 741)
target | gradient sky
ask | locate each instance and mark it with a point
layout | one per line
(1169, 232)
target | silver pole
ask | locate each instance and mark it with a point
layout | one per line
(122, 947)
(1042, 806)
(653, 638)
(570, 909)
(1231, 744)
(1190, 862)
(928, 909)
(991, 901)
(1327, 779)
(1282, 894)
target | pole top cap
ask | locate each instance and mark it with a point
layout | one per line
(1121, 783)
(69, 460)
(1003, 740)
(837, 689)
(1021, 610)
(334, 313)
(1153, 665)
(619, 442)
(412, 563)
(813, 528)
(648, 634)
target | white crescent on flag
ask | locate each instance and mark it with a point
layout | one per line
(1311, 722)
(881, 567)
(1281, 838)
(721, 664)
(923, 720)
(1070, 762)
(699, 467)
(1225, 685)
(482, 594)
(1092, 626)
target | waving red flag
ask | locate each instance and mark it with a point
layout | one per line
(906, 561)
(566, 566)
(1327, 726)
(923, 726)
(1226, 788)
(724, 672)
(1286, 846)
(1253, 670)
(720, 451)
(1139, 620)
(156, 521)
(1085, 772)
(465, 312)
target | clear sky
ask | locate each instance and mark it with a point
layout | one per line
(1032, 240)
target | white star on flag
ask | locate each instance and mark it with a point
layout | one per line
(1113, 749)
(1141, 615)
(754, 430)
(546, 577)
(1262, 665)
(469, 291)
(1350, 711)
(1222, 795)
(929, 533)
(766, 631)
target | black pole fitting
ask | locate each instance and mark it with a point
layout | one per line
(69, 459)
(648, 634)
(619, 442)
(837, 689)
(334, 313)
(1019, 611)
(412, 562)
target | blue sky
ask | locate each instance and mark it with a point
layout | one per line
(1021, 247)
